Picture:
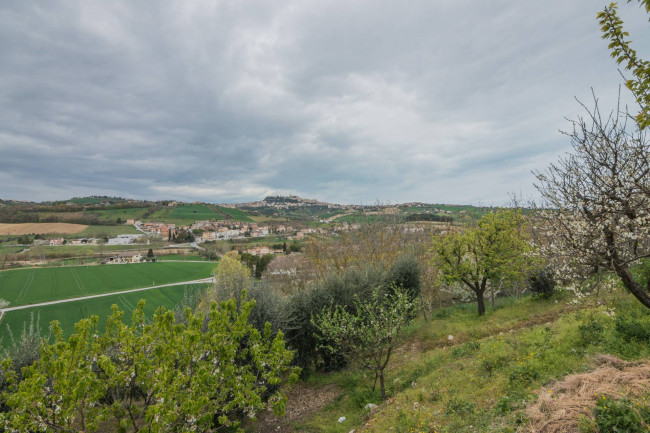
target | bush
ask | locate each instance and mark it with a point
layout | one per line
(269, 307)
(334, 290)
(633, 329)
(405, 273)
(542, 283)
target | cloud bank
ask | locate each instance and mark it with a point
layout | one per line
(447, 101)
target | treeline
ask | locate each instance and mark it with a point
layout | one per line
(18, 217)
(429, 217)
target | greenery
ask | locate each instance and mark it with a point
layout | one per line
(28, 286)
(368, 332)
(496, 250)
(101, 231)
(147, 377)
(621, 50)
(541, 282)
(486, 377)
(620, 415)
(68, 313)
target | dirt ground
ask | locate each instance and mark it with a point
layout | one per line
(303, 401)
(41, 228)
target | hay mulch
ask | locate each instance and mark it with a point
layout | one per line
(561, 404)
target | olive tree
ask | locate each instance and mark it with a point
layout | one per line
(597, 199)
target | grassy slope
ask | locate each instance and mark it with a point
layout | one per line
(233, 214)
(71, 312)
(114, 214)
(480, 379)
(28, 286)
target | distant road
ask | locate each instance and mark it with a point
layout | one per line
(101, 295)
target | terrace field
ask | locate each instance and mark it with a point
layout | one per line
(33, 285)
(69, 313)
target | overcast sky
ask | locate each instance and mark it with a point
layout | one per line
(444, 101)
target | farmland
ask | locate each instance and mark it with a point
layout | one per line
(69, 313)
(110, 231)
(40, 228)
(28, 286)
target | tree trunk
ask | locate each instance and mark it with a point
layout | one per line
(481, 303)
(381, 385)
(479, 297)
(628, 281)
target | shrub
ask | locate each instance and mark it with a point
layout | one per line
(405, 273)
(632, 329)
(333, 291)
(591, 331)
(542, 283)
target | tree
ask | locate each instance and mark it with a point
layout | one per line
(150, 254)
(497, 249)
(366, 334)
(621, 50)
(598, 199)
(231, 278)
(152, 376)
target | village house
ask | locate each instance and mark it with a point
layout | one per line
(125, 257)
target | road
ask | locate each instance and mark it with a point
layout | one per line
(101, 295)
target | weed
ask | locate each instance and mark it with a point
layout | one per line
(621, 416)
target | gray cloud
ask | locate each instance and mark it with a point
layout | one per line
(342, 101)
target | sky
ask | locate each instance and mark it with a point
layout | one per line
(439, 101)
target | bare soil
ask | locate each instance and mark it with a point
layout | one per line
(41, 228)
(303, 401)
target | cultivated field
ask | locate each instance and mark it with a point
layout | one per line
(29, 286)
(69, 313)
(40, 228)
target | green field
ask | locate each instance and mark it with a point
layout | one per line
(193, 257)
(114, 214)
(29, 286)
(71, 312)
(100, 231)
(10, 249)
(234, 214)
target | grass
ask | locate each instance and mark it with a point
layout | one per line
(124, 214)
(181, 257)
(78, 251)
(28, 286)
(233, 214)
(100, 231)
(484, 377)
(185, 214)
(70, 313)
